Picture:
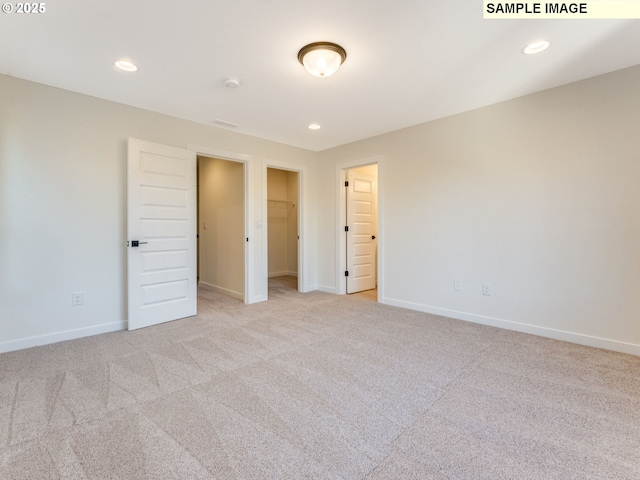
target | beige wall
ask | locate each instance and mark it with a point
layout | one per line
(63, 207)
(221, 225)
(538, 196)
(282, 195)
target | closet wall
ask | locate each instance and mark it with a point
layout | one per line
(221, 226)
(282, 216)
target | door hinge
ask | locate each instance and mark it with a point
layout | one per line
(346, 273)
(247, 239)
(346, 184)
(346, 228)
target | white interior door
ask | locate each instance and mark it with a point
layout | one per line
(361, 223)
(161, 230)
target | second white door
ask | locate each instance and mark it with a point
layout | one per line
(361, 232)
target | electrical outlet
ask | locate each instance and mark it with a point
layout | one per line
(76, 298)
(457, 285)
(487, 289)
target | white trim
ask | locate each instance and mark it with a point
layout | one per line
(283, 274)
(326, 289)
(219, 153)
(61, 336)
(247, 160)
(224, 291)
(562, 335)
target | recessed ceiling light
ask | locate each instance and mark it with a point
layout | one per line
(126, 65)
(536, 47)
(314, 126)
(232, 82)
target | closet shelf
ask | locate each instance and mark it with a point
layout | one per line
(280, 203)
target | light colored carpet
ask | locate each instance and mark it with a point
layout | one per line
(318, 386)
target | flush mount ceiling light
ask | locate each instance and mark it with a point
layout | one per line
(126, 65)
(536, 47)
(314, 126)
(322, 59)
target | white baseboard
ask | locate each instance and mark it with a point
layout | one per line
(577, 338)
(283, 274)
(61, 336)
(571, 337)
(225, 291)
(257, 299)
(308, 288)
(326, 289)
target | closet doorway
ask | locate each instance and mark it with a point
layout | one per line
(221, 226)
(283, 233)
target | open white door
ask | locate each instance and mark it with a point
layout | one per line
(161, 230)
(361, 243)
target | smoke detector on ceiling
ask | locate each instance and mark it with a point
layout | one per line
(232, 82)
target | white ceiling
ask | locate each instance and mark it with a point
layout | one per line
(408, 61)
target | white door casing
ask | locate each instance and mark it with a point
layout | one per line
(161, 216)
(360, 235)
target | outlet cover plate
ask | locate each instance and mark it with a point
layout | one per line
(77, 298)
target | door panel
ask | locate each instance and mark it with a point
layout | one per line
(161, 215)
(361, 257)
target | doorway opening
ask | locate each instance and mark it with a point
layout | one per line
(283, 229)
(359, 242)
(221, 226)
